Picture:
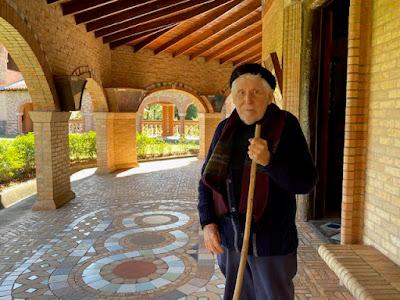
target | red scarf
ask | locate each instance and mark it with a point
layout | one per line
(216, 170)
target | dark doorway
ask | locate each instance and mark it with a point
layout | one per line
(327, 105)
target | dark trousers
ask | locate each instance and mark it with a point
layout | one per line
(265, 278)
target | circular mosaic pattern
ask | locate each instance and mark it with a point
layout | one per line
(156, 220)
(179, 218)
(139, 269)
(92, 277)
(145, 239)
(134, 269)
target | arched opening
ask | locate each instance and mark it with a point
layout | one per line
(173, 116)
(26, 121)
(26, 52)
(50, 125)
(82, 136)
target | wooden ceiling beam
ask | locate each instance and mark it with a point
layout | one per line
(216, 13)
(218, 28)
(241, 29)
(136, 36)
(239, 50)
(108, 9)
(150, 39)
(163, 22)
(132, 17)
(251, 57)
(75, 6)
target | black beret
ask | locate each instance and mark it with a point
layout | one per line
(255, 69)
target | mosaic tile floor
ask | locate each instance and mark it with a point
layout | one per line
(129, 235)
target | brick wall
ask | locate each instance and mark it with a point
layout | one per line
(3, 106)
(141, 69)
(382, 198)
(272, 30)
(65, 45)
(291, 57)
(10, 102)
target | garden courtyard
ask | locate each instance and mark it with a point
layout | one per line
(131, 234)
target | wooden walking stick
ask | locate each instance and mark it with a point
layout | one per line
(249, 215)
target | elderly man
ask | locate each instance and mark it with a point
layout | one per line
(285, 168)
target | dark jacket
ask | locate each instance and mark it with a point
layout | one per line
(291, 171)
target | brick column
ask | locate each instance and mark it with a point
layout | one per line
(125, 140)
(182, 117)
(292, 56)
(104, 123)
(3, 64)
(52, 159)
(356, 127)
(167, 120)
(116, 141)
(139, 124)
(208, 122)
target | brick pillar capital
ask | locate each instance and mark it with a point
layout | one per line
(216, 115)
(49, 116)
(125, 115)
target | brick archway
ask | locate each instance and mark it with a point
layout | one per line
(96, 91)
(200, 101)
(20, 42)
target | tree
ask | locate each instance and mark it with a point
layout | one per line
(153, 112)
(191, 113)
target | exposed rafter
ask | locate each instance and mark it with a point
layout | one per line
(239, 50)
(161, 22)
(253, 56)
(129, 18)
(108, 9)
(214, 29)
(239, 32)
(75, 6)
(150, 39)
(217, 28)
(196, 26)
(138, 36)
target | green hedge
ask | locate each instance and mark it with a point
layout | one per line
(148, 147)
(17, 156)
(82, 146)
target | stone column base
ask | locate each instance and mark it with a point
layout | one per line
(54, 203)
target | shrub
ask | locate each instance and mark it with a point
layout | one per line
(156, 147)
(17, 156)
(82, 146)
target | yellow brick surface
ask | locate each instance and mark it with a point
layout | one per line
(142, 69)
(208, 122)
(382, 199)
(291, 56)
(272, 30)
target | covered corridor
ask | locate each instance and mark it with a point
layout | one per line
(132, 234)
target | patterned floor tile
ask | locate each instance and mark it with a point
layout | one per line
(129, 235)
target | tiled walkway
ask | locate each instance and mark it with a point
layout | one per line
(129, 235)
